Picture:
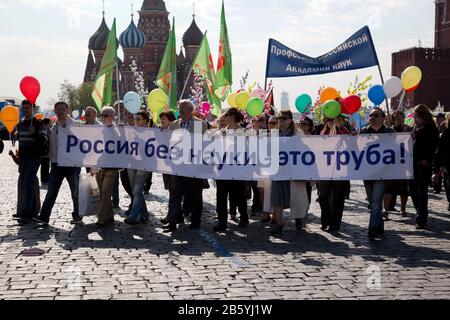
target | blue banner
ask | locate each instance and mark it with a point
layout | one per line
(355, 53)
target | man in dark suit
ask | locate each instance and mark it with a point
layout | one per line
(178, 185)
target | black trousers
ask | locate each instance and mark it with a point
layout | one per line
(419, 193)
(332, 201)
(148, 183)
(235, 191)
(191, 188)
(256, 205)
(45, 170)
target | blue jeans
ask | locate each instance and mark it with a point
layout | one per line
(375, 193)
(28, 169)
(137, 182)
(419, 193)
(57, 176)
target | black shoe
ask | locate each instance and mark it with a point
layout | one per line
(23, 222)
(298, 224)
(448, 208)
(193, 226)
(102, 225)
(219, 228)
(324, 228)
(16, 216)
(243, 224)
(170, 228)
(39, 220)
(77, 221)
(164, 221)
(234, 218)
(130, 222)
(147, 192)
(266, 220)
(276, 229)
(180, 220)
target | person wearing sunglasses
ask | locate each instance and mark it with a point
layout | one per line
(376, 188)
(281, 190)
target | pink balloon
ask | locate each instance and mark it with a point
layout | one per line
(206, 107)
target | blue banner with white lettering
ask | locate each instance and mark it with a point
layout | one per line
(357, 52)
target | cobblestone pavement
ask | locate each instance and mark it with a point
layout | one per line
(125, 262)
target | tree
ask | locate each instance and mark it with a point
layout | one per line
(77, 97)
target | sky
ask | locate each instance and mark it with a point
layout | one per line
(48, 39)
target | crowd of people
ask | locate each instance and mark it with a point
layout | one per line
(38, 143)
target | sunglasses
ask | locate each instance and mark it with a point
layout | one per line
(283, 118)
(374, 115)
(105, 115)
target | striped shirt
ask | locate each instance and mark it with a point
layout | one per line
(30, 144)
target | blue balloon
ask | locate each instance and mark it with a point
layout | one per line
(132, 102)
(377, 95)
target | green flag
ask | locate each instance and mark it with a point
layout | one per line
(167, 76)
(222, 87)
(103, 93)
(204, 66)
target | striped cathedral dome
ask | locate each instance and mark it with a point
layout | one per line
(132, 37)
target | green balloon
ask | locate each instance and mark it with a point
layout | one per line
(332, 109)
(255, 107)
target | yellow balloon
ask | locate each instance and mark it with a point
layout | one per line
(232, 100)
(242, 99)
(10, 116)
(157, 99)
(411, 78)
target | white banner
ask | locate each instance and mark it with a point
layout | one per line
(364, 157)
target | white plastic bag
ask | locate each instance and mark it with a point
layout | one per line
(88, 196)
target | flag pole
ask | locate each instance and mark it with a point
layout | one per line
(379, 67)
(186, 82)
(118, 90)
(267, 66)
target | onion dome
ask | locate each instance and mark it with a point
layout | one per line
(132, 37)
(193, 36)
(99, 39)
(154, 5)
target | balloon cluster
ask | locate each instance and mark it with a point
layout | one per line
(408, 82)
(333, 105)
(250, 101)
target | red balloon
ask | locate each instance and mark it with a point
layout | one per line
(351, 104)
(30, 88)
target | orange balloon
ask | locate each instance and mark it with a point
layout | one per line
(39, 116)
(10, 117)
(328, 94)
